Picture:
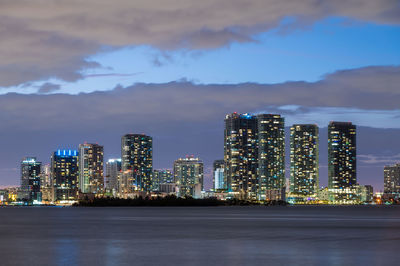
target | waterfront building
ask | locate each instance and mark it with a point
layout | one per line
(391, 186)
(304, 160)
(30, 179)
(113, 170)
(188, 174)
(241, 155)
(65, 175)
(161, 177)
(342, 177)
(271, 156)
(91, 176)
(46, 187)
(218, 175)
(136, 162)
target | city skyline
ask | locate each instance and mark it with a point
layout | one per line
(136, 145)
(174, 78)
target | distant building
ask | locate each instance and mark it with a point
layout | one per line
(65, 174)
(271, 156)
(391, 186)
(136, 162)
(241, 155)
(91, 176)
(169, 188)
(188, 174)
(113, 169)
(369, 195)
(161, 177)
(218, 175)
(46, 186)
(30, 179)
(304, 160)
(342, 178)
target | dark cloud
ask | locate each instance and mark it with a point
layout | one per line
(185, 118)
(48, 88)
(54, 38)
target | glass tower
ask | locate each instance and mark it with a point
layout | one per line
(91, 176)
(113, 169)
(391, 186)
(218, 175)
(271, 156)
(342, 177)
(136, 162)
(188, 174)
(65, 174)
(304, 157)
(30, 179)
(240, 155)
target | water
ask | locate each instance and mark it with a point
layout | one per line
(200, 236)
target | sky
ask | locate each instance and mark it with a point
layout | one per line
(74, 71)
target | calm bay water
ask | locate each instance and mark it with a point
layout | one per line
(200, 236)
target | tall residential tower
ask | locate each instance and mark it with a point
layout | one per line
(342, 177)
(136, 163)
(304, 157)
(91, 178)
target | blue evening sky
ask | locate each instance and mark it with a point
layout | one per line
(277, 56)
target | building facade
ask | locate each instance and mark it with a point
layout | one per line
(136, 163)
(159, 177)
(91, 175)
(65, 175)
(342, 167)
(241, 155)
(188, 174)
(271, 156)
(113, 170)
(30, 179)
(391, 176)
(218, 175)
(304, 160)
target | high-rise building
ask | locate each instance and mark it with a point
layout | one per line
(30, 179)
(391, 175)
(218, 175)
(113, 169)
(342, 178)
(271, 156)
(241, 155)
(65, 174)
(304, 157)
(161, 177)
(91, 177)
(137, 162)
(188, 173)
(46, 186)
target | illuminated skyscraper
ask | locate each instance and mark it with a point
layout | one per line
(271, 156)
(65, 174)
(240, 155)
(188, 173)
(91, 178)
(113, 169)
(137, 162)
(342, 177)
(304, 154)
(30, 179)
(391, 175)
(161, 177)
(218, 175)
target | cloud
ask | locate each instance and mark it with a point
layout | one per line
(48, 87)
(54, 38)
(379, 159)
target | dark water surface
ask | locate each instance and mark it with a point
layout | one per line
(200, 236)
